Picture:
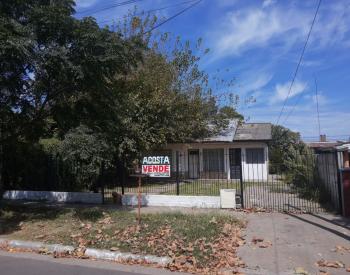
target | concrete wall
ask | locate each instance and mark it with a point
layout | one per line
(173, 201)
(251, 172)
(70, 197)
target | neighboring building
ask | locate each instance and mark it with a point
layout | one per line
(221, 157)
(342, 149)
(344, 155)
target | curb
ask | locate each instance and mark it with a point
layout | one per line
(89, 252)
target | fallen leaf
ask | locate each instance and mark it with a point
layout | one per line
(334, 264)
(300, 270)
(256, 240)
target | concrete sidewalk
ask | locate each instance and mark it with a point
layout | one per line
(297, 241)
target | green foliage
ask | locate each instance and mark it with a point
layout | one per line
(291, 156)
(286, 149)
(88, 151)
(84, 95)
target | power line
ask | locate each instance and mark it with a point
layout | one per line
(172, 17)
(150, 11)
(93, 11)
(300, 59)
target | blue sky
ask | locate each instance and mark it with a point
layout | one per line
(260, 42)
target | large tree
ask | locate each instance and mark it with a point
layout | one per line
(68, 85)
(54, 68)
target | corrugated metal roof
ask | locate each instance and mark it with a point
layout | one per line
(253, 131)
(226, 135)
(242, 132)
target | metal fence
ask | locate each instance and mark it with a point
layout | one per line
(309, 183)
(304, 183)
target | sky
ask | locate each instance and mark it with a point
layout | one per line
(258, 43)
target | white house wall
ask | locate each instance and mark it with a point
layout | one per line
(251, 172)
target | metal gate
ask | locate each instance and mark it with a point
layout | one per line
(310, 184)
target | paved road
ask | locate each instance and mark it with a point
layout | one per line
(33, 264)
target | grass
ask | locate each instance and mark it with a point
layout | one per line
(207, 187)
(202, 187)
(162, 234)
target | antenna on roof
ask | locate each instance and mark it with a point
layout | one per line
(318, 112)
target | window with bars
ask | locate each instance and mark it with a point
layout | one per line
(255, 155)
(213, 160)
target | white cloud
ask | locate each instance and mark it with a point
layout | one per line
(278, 26)
(321, 98)
(304, 118)
(268, 3)
(253, 83)
(281, 91)
(85, 3)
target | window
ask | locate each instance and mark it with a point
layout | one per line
(255, 156)
(213, 160)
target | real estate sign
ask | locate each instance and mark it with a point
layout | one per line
(156, 166)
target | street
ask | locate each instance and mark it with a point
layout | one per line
(34, 264)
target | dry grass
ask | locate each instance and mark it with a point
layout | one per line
(199, 242)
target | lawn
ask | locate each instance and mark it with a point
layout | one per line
(203, 187)
(196, 242)
(207, 187)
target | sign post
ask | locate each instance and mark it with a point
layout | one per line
(138, 175)
(152, 166)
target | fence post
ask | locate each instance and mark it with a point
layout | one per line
(177, 174)
(102, 183)
(340, 184)
(241, 182)
(124, 177)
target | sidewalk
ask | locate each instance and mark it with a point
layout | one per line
(298, 241)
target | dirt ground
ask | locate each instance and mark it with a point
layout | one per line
(295, 243)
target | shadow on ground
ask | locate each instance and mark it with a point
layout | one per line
(13, 213)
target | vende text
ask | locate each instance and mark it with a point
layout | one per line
(155, 169)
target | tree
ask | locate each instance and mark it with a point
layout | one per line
(284, 148)
(71, 88)
(290, 156)
(52, 65)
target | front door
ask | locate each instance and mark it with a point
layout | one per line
(193, 164)
(235, 163)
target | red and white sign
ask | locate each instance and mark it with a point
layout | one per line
(156, 166)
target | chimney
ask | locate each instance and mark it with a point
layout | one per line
(323, 138)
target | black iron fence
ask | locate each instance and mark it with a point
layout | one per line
(192, 174)
(303, 183)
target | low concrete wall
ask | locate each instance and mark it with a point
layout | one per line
(173, 201)
(70, 197)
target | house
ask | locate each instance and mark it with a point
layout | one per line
(240, 147)
(342, 148)
(344, 155)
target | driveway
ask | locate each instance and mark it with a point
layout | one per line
(298, 241)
